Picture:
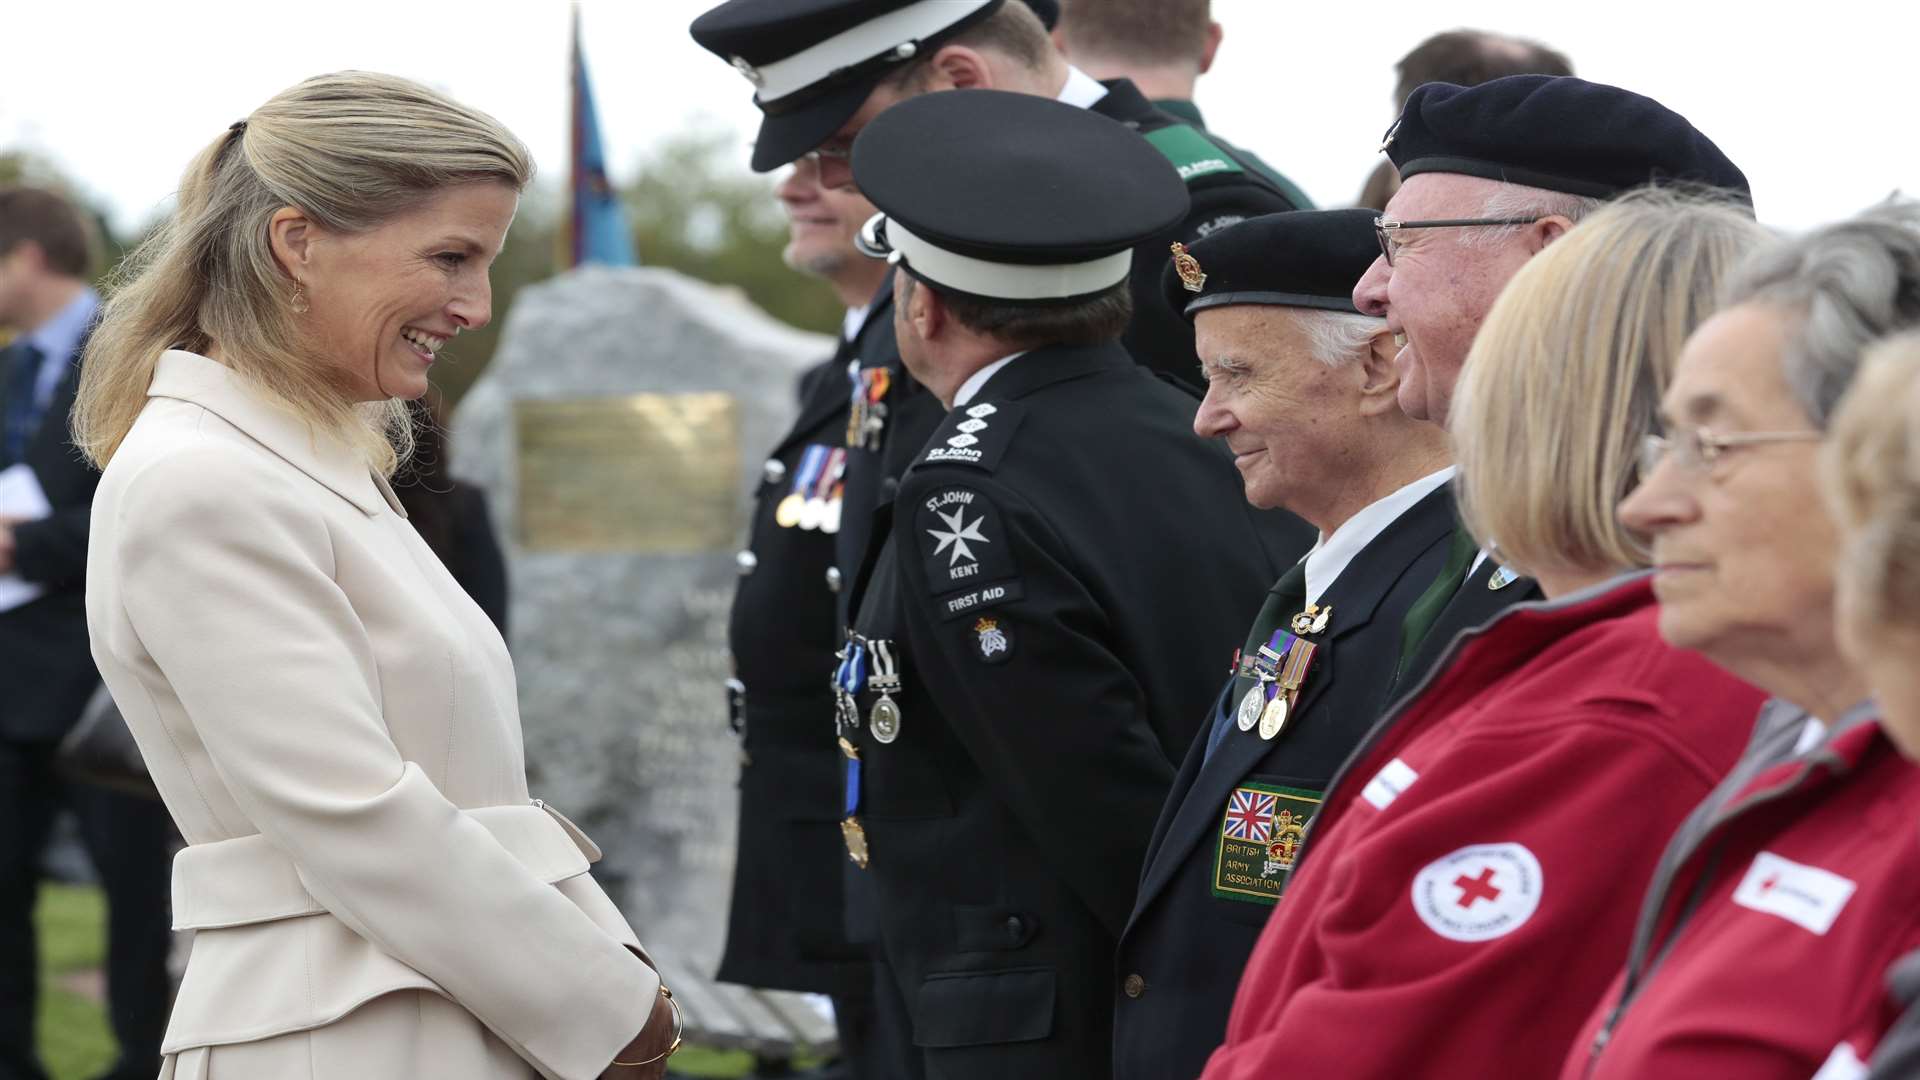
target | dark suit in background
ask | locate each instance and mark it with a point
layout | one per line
(46, 676)
(1190, 933)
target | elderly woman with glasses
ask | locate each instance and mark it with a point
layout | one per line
(1486, 841)
(1783, 898)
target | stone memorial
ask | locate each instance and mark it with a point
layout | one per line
(617, 433)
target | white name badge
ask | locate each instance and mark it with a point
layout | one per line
(1387, 785)
(1806, 896)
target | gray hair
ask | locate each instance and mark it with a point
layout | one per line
(1338, 337)
(1520, 201)
(1844, 285)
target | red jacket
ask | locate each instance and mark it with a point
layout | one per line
(1773, 936)
(1471, 884)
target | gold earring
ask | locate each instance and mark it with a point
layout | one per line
(299, 301)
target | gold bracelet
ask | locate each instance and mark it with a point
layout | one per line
(679, 1028)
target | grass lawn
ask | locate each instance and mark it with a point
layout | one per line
(75, 1041)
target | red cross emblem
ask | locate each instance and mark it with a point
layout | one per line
(1476, 889)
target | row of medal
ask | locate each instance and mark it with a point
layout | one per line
(818, 488)
(865, 663)
(867, 418)
(1279, 669)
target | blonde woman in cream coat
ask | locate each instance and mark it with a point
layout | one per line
(331, 721)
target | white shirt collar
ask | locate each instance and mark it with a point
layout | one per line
(1082, 89)
(1329, 558)
(979, 379)
(854, 321)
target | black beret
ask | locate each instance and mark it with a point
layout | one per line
(1048, 10)
(814, 62)
(1300, 258)
(1013, 196)
(1556, 132)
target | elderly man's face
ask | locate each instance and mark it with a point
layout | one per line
(1743, 545)
(1286, 416)
(1440, 286)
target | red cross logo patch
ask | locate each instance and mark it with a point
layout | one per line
(1478, 893)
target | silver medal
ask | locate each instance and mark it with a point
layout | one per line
(1250, 706)
(884, 720)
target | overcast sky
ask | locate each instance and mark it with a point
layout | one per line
(1815, 105)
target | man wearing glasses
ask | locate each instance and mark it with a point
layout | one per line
(1491, 175)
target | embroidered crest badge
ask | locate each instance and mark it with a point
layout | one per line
(1260, 839)
(1188, 268)
(993, 643)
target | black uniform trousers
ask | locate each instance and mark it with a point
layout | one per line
(46, 677)
(1062, 569)
(1193, 924)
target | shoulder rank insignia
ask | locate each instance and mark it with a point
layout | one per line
(975, 435)
(1188, 268)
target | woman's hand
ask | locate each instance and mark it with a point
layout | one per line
(652, 1042)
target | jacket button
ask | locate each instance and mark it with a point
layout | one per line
(889, 487)
(1134, 986)
(774, 470)
(1014, 927)
(745, 561)
(833, 579)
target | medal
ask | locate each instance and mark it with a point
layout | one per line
(884, 720)
(830, 522)
(1274, 716)
(796, 508)
(848, 680)
(1313, 620)
(851, 830)
(787, 514)
(1250, 706)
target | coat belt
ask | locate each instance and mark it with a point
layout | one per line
(247, 880)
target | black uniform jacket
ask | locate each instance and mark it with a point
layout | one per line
(46, 666)
(1196, 919)
(1474, 605)
(1067, 565)
(1225, 188)
(785, 930)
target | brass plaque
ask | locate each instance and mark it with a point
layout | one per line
(651, 473)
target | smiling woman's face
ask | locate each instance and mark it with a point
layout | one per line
(382, 302)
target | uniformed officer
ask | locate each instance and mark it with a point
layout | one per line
(822, 69)
(1065, 568)
(1302, 388)
(1492, 174)
(785, 930)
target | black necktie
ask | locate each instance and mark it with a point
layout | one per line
(1284, 600)
(22, 417)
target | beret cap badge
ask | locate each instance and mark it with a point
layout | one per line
(1188, 268)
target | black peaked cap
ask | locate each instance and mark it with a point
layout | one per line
(1015, 178)
(1300, 258)
(754, 33)
(1556, 132)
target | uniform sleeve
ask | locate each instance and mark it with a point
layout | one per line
(1031, 685)
(229, 583)
(1482, 917)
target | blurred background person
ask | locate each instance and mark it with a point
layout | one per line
(330, 719)
(1780, 902)
(786, 926)
(46, 670)
(1302, 389)
(1871, 473)
(1463, 58)
(1454, 859)
(451, 515)
(1162, 47)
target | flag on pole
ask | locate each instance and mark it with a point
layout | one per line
(597, 231)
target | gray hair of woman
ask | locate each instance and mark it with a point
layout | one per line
(1843, 286)
(351, 150)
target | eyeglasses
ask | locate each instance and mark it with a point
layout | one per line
(1696, 451)
(830, 151)
(1384, 228)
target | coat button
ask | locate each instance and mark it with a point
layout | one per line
(889, 487)
(1015, 927)
(833, 579)
(1134, 986)
(745, 561)
(775, 470)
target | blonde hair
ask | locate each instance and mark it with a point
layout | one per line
(1871, 472)
(1564, 380)
(350, 150)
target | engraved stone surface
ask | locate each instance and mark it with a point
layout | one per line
(621, 651)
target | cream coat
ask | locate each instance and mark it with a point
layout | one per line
(332, 723)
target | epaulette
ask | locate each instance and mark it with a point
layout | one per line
(974, 435)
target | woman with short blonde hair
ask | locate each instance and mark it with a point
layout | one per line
(1564, 381)
(331, 721)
